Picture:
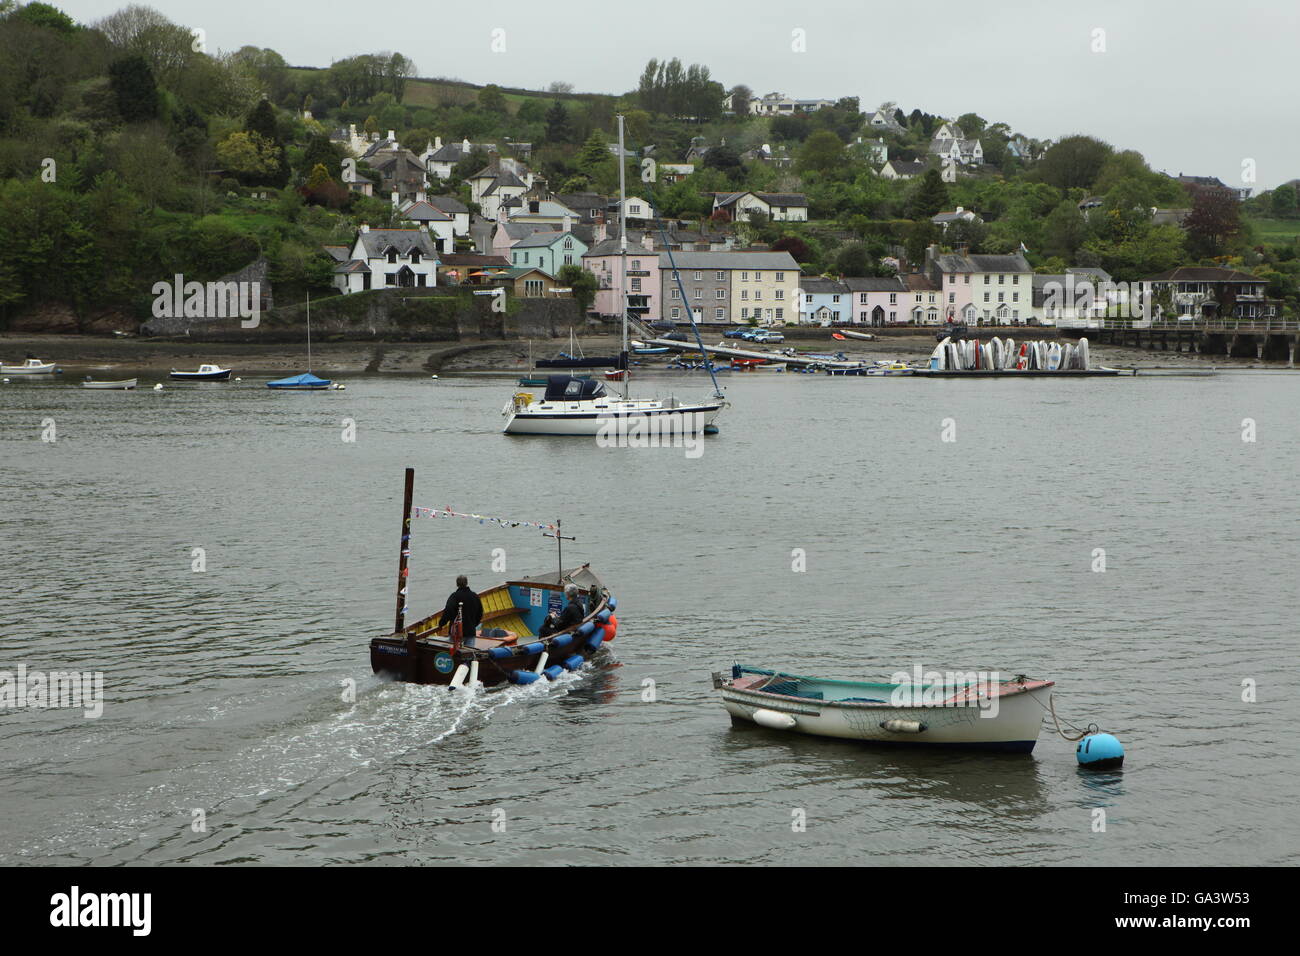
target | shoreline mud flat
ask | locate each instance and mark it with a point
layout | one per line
(101, 353)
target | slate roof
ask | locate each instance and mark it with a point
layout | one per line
(376, 242)
(338, 253)
(951, 262)
(730, 260)
(539, 239)
(352, 265)
(424, 212)
(448, 204)
(1204, 274)
(875, 284)
(820, 285)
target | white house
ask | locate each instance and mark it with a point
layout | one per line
(778, 207)
(424, 215)
(967, 152)
(778, 104)
(499, 180)
(945, 219)
(883, 118)
(636, 209)
(387, 258)
(901, 169)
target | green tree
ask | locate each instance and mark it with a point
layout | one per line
(583, 284)
(1283, 202)
(1076, 161)
(822, 152)
(558, 127)
(492, 99)
(930, 196)
(133, 85)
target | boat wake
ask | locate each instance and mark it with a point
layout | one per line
(266, 770)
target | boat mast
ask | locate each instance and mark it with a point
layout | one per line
(405, 552)
(622, 252)
(309, 332)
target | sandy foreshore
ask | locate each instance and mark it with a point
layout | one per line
(76, 353)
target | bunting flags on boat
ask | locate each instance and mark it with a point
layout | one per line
(481, 519)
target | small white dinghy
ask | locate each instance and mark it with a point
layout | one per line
(974, 711)
(124, 384)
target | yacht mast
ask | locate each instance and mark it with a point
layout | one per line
(622, 252)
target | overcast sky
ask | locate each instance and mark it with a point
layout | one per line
(1197, 87)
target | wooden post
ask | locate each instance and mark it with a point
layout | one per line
(404, 552)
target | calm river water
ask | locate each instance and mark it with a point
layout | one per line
(224, 689)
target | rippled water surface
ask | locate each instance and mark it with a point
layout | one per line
(224, 689)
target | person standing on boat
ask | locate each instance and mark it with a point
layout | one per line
(465, 605)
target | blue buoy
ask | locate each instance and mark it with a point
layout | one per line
(1100, 752)
(524, 677)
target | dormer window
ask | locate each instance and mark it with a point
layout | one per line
(415, 256)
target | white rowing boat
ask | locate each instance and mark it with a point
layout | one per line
(123, 384)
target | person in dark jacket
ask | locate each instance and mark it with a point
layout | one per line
(464, 604)
(572, 615)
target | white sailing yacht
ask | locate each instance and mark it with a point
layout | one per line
(583, 406)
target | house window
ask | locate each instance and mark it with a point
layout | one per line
(835, 299)
(932, 298)
(721, 275)
(676, 312)
(744, 313)
(675, 275)
(568, 243)
(1002, 296)
(952, 297)
(893, 316)
(780, 295)
(986, 296)
(699, 293)
(862, 298)
(719, 293)
(568, 260)
(780, 277)
(758, 293)
(390, 278)
(780, 314)
(758, 276)
(719, 313)
(532, 288)
(893, 299)
(392, 255)
(967, 278)
(744, 277)
(636, 285)
(987, 278)
(415, 257)
(744, 295)
(1002, 280)
(699, 276)
(636, 265)
(1015, 297)
(807, 298)
(677, 293)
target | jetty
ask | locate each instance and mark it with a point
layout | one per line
(1259, 339)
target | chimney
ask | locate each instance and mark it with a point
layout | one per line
(422, 194)
(464, 145)
(352, 130)
(365, 227)
(599, 232)
(568, 223)
(392, 135)
(437, 143)
(648, 241)
(528, 180)
(960, 210)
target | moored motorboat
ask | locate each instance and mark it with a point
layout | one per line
(32, 366)
(974, 711)
(124, 384)
(513, 643)
(582, 406)
(205, 373)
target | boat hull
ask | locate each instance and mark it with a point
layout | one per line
(221, 376)
(47, 369)
(125, 384)
(1013, 729)
(530, 421)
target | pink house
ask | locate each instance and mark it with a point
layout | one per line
(603, 261)
(878, 301)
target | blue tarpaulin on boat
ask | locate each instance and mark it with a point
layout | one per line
(305, 380)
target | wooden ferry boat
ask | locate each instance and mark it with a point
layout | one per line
(507, 647)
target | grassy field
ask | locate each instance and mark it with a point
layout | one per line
(1275, 232)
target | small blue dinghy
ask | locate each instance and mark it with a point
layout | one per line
(306, 382)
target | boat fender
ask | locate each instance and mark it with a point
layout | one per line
(596, 640)
(524, 677)
(612, 603)
(611, 628)
(562, 641)
(603, 616)
(773, 719)
(1100, 752)
(458, 678)
(897, 726)
(500, 653)
(574, 662)
(541, 662)
(554, 671)
(534, 648)
(586, 628)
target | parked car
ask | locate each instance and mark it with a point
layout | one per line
(734, 333)
(771, 336)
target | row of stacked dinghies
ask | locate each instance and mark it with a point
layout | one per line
(1004, 355)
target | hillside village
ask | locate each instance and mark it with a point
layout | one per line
(761, 209)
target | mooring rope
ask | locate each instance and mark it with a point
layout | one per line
(1082, 732)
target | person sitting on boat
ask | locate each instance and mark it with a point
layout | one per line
(572, 615)
(465, 605)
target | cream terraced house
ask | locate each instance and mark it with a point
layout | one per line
(978, 290)
(731, 287)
